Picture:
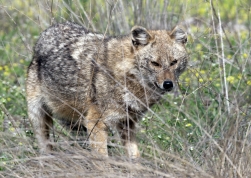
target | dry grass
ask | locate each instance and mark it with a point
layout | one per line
(74, 161)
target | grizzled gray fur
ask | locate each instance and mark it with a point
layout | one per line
(101, 81)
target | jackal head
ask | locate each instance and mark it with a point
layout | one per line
(161, 56)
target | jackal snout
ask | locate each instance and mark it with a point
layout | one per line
(167, 85)
(165, 80)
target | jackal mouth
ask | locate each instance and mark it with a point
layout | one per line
(160, 90)
(156, 85)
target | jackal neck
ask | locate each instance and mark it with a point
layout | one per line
(120, 57)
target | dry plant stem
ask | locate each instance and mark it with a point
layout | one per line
(244, 144)
(72, 12)
(223, 65)
(228, 41)
(216, 43)
(52, 15)
(6, 112)
(87, 16)
(223, 81)
(123, 16)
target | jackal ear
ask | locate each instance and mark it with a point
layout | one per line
(179, 35)
(140, 36)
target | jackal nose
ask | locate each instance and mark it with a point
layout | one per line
(168, 85)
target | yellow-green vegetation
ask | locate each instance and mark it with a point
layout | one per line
(204, 126)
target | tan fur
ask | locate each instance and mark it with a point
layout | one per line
(102, 82)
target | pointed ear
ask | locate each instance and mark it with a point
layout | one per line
(140, 36)
(179, 35)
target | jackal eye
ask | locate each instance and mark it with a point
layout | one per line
(156, 64)
(173, 63)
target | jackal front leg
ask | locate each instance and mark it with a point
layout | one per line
(127, 134)
(97, 131)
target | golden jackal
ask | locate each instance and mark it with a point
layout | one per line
(101, 81)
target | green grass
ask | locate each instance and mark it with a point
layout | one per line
(205, 127)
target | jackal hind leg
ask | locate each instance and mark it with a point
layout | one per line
(42, 123)
(97, 131)
(127, 133)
